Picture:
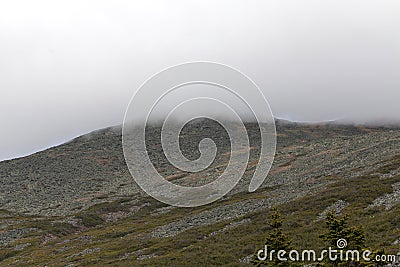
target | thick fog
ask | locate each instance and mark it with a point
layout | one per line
(70, 67)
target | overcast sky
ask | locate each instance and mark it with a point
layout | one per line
(70, 67)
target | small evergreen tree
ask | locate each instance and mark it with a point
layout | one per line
(338, 228)
(275, 240)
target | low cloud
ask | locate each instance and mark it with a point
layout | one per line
(71, 67)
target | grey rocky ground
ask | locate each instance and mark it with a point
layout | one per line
(63, 181)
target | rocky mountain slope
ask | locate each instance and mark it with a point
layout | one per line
(76, 204)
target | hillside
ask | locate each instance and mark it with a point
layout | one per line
(76, 204)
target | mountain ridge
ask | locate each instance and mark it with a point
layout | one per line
(79, 203)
